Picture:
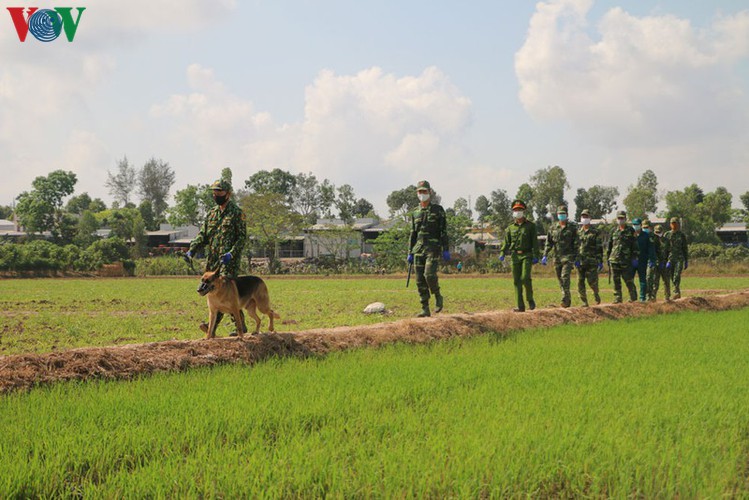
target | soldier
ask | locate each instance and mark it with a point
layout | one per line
(428, 241)
(223, 233)
(521, 241)
(646, 252)
(590, 258)
(678, 255)
(562, 239)
(655, 274)
(622, 257)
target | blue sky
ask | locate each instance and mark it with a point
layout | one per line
(473, 96)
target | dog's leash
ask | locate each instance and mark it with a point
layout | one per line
(189, 263)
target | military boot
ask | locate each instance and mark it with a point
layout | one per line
(531, 304)
(438, 302)
(424, 311)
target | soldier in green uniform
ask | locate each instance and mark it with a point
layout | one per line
(659, 271)
(678, 255)
(646, 252)
(223, 233)
(428, 242)
(590, 258)
(562, 239)
(521, 241)
(622, 257)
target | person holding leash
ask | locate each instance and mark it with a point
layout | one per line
(428, 241)
(223, 233)
(521, 241)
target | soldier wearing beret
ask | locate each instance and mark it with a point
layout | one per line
(562, 240)
(223, 232)
(428, 242)
(622, 256)
(678, 254)
(521, 242)
(659, 271)
(590, 258)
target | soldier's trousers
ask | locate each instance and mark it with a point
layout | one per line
(623, 272)
(655, 275)
(676, 269)
(521, 277)
(642, 273)
(564, 272)
(425, 265)
(589, 272)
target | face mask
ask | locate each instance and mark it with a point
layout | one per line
(636, 227)
(585, 222)
(423, 196)
(646, 231)
(562, 217)
(518, 214)
(622, 222)
(220, 200)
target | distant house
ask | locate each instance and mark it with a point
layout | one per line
(733, 233)
(333, 238)
(171, 237)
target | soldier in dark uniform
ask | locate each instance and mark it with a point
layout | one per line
(646, 252)
(659, 271)
(622, 257)
(223, 233)
(590, 258)
(428, 242)
(678, 254)
(521, 242)
(562, 239)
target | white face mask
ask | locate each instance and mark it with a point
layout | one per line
(585, 221)
(518, 214)
(423, 196)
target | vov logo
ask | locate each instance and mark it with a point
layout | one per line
(45, 24)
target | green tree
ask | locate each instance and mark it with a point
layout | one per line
(391, 246)
(642, 198)
(191, 205)
(155, 180)
(346, 203)
(458, 226)
(599, 200)
(501, 210)
(548, 186)
(6, 211)
(41, 208)
(274, 181)
(483, 208)
(97, 205)
(270, 221)
(363, 208)
(461, 207)
(745, 200)
(147, 214)
(87, 226)
(307, 197)
(401, 202)
(701, 214)
(327, 198)
(121, 183)
(78, 204)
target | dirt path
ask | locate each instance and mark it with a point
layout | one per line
(25, 371)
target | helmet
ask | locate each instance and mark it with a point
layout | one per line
(636, 221)
(423, 185)
(561, 209)
(221, 185)
(518, 205)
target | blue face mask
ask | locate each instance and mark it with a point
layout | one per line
(646, 231)
(562, 217)
(636, 227)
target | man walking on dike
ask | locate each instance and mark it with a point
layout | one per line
(521, 242)
(562, 239)
(646, 251)
(622, 257)
(678, 255)
(589, 258)
(428, 243)
(659, 272)
(223, 233)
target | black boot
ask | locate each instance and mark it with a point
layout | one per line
(438, 303)
(424, 312)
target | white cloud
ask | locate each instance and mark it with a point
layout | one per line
(653, 81)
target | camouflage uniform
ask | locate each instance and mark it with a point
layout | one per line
(646, 251)
(223, 231)
(428, 242)
(521, 241)
(622, 251)
(678, 255)
(590, 255)
(562, 239)
(659, 271)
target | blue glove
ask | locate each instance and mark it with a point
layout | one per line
(577, 263)
(535, 260)
(501, 258)
(635, 262)
(226, 258)
(651, 264)
(188, 254)
(410, 258)
(600, 266)
(445, 255)
(543, 261)
(686, 264)
(668, 265)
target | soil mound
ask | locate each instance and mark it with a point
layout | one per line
(25, 371)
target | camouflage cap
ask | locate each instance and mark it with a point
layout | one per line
(423, 185)
(675, 220)
(221, 185)
(561, 209)
(518, 204)
(585, 213)
(646, 223)
(636, 221)
(621, 213)
(658, 229)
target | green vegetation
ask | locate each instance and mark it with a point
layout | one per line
(42, 315)
(644, 408)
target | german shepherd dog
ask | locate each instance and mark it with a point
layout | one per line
(226, 295)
